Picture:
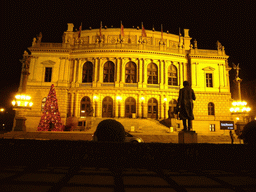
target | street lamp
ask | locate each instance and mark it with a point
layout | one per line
(21, 103)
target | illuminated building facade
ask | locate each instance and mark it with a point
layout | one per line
(106, 73)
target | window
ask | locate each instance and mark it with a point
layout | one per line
(152, 74)
(108, 74)
(87, 72)
(48, 74)
(172, 75)
(209, 80)
(212, 127)
(130, 73)
(43, 103)
(211, 109)
(86, 108)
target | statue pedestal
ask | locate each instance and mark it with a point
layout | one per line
(187, 137)
(20, 124)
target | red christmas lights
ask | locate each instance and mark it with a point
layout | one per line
(50, 119)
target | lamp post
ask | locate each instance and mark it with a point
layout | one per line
(22, 101)
(239, 108)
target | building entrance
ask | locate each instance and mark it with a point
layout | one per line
(130, 107)
(107, 107)
(152, 108)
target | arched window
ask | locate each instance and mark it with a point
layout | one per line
(211, 109)
(130, 72)
(87, 72)
(43, 103)
(86, 108)
(172, 106)
(152, 74)
(172, 75)
(108, 74)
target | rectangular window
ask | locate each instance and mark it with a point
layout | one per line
(48, 74)
(212, 127)
(209, 80)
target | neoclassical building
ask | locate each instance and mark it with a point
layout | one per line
(102, 73)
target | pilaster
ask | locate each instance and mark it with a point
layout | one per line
(33, 68)
(95, 71)
(140, 72)
(161, 74)
(118, 63)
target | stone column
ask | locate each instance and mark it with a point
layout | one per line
(61, 70)
(116, 107)
(145, 74)
(31, 68)
(75, 109)
(74, 71)
(166, 67)
(185, 65)
(161, 74)
(72, 104)
(122, 65)
(140, 72)
(100, 79)
(79, 71)
(122, 110)
(67, 70)
(95, 71)
(34, 72)
(118, 63)
(193, 74)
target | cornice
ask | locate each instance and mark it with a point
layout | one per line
(209, 57)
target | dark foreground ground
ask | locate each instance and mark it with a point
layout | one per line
(58, 165)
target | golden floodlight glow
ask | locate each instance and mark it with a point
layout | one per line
(165, 99)
(95, 97)
(142, 98)
(22, 101)
(2, 110)
(119, 98)
(239, 107)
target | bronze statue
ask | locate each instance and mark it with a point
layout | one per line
(185, 105)
(236, 67)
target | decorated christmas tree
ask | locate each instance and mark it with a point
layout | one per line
(50, 120)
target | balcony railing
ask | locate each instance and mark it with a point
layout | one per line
(129, 46)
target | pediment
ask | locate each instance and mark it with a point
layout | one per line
(208, 69)
(48, 62)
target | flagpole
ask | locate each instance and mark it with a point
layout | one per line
(100, 29)
(179, 35)
(141, 30)
(162, 31)
(121, 30)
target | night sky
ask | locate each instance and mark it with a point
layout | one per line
(231, 22)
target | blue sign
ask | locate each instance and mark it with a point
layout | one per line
(227, 125)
